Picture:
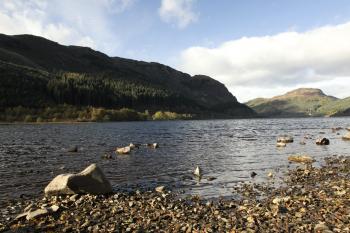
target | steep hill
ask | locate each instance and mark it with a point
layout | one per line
(297, 103)
(36, 72)
(340, 107)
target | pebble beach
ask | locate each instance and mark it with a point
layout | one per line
(311, 199)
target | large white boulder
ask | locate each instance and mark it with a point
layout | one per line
(91, 180)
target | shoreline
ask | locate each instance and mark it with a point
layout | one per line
(193, 119)
(311, 200)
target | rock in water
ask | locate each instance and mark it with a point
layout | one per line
(198, 172)
(160, 189)
(73, 149)
(153, 145)
(285, 139)
(123, 150)
(346, 136)
(253, 174)
(211, 178)
(322, 141)
(91, 180)
(300, 159)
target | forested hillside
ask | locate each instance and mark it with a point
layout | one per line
(37, 73)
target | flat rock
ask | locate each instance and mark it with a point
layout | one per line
(91, 180)
(300, 159)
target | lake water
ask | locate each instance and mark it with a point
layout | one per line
(229, 150)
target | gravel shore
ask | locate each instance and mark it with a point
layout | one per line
(311, 200)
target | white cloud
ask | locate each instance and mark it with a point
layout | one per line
(78, 22)
(30, 17)
(118, 5)
(270, 65)
(178, 11)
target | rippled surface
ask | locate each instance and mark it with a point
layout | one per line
(31, 155)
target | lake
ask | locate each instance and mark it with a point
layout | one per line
(229, 150)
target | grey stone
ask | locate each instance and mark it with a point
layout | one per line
(91, 180)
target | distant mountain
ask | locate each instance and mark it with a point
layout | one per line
(301, 102)
(340, 107)
(36, 72)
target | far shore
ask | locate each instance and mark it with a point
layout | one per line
(193, 119)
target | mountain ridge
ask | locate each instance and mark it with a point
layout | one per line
(77, 75)
(301, 102)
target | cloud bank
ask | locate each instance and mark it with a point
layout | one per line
(178, 11)
(78, 22)
(270, 65)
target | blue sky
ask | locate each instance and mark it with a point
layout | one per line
(232, 19)
(206, 36)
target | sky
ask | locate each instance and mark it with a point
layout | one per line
(257, 48)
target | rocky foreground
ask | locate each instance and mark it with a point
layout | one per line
(312, 200)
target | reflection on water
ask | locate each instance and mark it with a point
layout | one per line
(31, 155)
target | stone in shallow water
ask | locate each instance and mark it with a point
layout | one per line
(91, 180)
(300, 159)
(123, 150)
(253, 174)
(285, 139)
(322, 141)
